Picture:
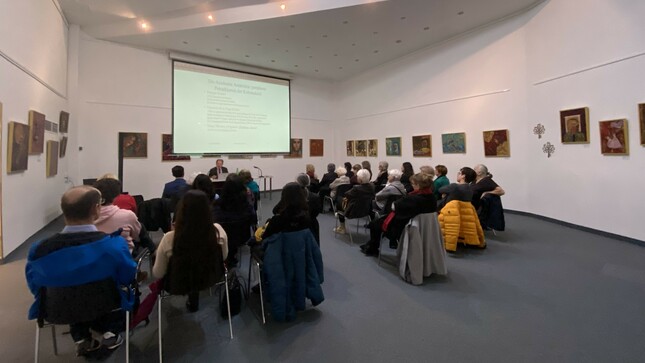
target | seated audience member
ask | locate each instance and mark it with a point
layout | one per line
(251, 185)
(342, 179)
(381, 177)
(314, 183)
(441, 181)
(393, 187)
(354, 179)
(367, 166)
(327, 179)
(408, 171)
(123, 200)
(348, 167)
(203, 182)
(111, 217)
(420, 200)
(233, 209)
(427, 170)
(363, 192)
(314, 204)
(483, 185)
(291, 213)
(218, 169)
(89, 265)
(176, 187)
(196, 245)
(460, 190)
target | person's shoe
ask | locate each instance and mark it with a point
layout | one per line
(340, 230)
(85, 346)
(371, 252)
(394, 244)
(111, 341)
(365, 246)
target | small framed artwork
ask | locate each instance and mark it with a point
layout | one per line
(454, 143)
(361, 148)
(63, 147)
(393, 146)
(613, 137)
(295, 149)
(422, 145)
(240, 156)
(17, 147)
(372, 148)
(63, 122)
(268, 156)
(349, 145)
(134, 144)
(52, 158)
(36, 132)
(167, 150)
(316, 147)
(496, 143)
(574, 126)
(211, 155)
(641, 116)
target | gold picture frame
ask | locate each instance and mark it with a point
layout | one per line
(497, 143)
(574, 126)
(614, 137)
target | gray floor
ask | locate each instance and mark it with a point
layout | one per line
(540, 292)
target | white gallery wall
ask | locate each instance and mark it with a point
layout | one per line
(33, 76)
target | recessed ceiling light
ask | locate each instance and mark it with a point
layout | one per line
(403, 18)
(324, 36)
(292, 26)
(316, 70)
(247, 56)
(374, 33)
(272, 60)
(376, 51)
(286, 50)
(311, 56)
(426, 28)
(345, 22)
(460, 13)
(144, 25)
(295, 65)
(355, 60)
(226, 36)
(335, 55)
(283, 6)
(399, 41)
(308, 47)
(340, 67)
(210, 17)
(259, 45)
(353, 44)
(185, 42)
(217, 49)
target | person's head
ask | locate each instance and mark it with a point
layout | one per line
(233, 195)
(394, 175)
(340, 171)
(178, 171)
(407, 169)
(293, 200)
(310, 168)
(81, 205)
(348, 165)
(245, 175)
(331, 167)
(219, 163)
(203, 183)
(363, 176)
(426, 169)
(466, 175)
(357, 167)
(421, 181)
(194, 230)
(366, 165)
(108, 176)
(303, 180)
(109, 188)
(383, 165)
(482, 171)
(441, 170)
(573, 125)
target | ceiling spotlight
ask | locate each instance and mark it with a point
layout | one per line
(340, 67)
(316, 70)
(460, 13)
(283, 6)
(324, 36)
(355, 60)
(295, 65)
(376, 51)
(272, 60)
(403, 18)
(399, 41)
(345, 22)
(247, 56)
(185, 42)
(426, 28)
(210, 17)
(218, 50)
(144, 25)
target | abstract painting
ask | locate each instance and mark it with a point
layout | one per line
(167, 148)
(134, 144)
(372, 148)
(17, 147)
(574, 126)
(52, 158)
(316, 147)
(496, 143)
(422, 145)
(393, 146)
(454, 143)
(36, 132)
(613, 137)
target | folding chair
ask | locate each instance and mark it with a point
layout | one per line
(361, 208)
(340, 193)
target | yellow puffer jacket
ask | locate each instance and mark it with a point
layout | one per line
(459, 223)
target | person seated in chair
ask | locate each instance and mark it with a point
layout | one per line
(342, 179)
(460, 190)
(90, 264)
(420, 200)
(112, 217)
(196, 245)
(441, 180)
(177, 187)
(364, 191)
(327, 179)
(427, 169)
(219, 169)
(251, 185)
(407, 171)
(483, 185)
(314, 205)
(314, 183)
(354, 178)
(381, 177)
(291, 213)
(393, 187)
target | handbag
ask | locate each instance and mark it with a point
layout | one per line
(386, 222)
(235, 298)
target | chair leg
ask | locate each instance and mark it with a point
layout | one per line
(54, 339)
(261, 293)
(380, 248)
(127, 337)
(159, 328)
(228, 305)
(37, 343)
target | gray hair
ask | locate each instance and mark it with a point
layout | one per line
(303, 180)
(426, 169)
(383, 164)
(481, 170)
(331, 167)
(395, 174)
(340, 171)
(363, 176)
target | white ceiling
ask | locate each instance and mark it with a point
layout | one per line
(324, 39)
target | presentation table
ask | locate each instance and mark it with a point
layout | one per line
(264, 189)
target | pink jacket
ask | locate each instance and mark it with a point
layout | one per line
(113, 218)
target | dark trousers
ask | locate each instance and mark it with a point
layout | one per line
(113, 321)
(193, 301)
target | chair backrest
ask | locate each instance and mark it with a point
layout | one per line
(184, 276)
(390, 201)
(238, 232)
(359, 207)
(73, 304)
(340, 192)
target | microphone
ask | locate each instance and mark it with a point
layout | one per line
(259, 170)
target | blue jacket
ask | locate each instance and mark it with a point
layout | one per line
(174, 187)
(293, 269)
(78, 263)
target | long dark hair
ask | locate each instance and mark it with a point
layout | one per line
(195, 235)
(293, 200)
(203, 182)
(233, 195)
(407, 169)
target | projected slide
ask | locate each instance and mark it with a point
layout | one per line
(222, 111)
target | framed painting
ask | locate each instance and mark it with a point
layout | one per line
(496, 143)
(134, 144)
(63, 122)
(211, 155)
(295, 149)
(372, 148)
(17, 147)
(167, 150)
(52, 158)
(422, 145)
(361, 148)
(349, 145)
(240, 156)
(36, 132)
(316, 147)
(641, 116)
(63, 147)
(614, 137)
(454, 143)
(574, 126)
(267, 156)
(393, 146)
